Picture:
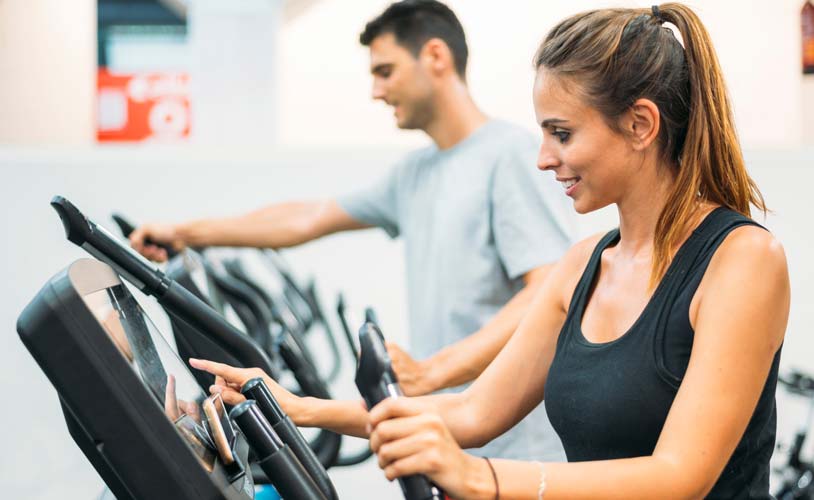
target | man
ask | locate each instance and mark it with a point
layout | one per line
(480, 224)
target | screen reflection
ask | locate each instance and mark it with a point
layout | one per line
(159, 368)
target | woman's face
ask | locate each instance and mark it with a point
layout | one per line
(594, 163)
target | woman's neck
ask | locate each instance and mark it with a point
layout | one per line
(640, 210)
(639, 215)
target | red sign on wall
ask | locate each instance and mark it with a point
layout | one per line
(145, 106)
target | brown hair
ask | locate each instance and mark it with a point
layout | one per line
(616, 56)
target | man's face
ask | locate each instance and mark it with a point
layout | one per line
(400, 80)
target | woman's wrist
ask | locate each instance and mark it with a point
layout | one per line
(341, 416)
(305, 412)
(479, 483)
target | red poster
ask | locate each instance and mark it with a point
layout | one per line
(144, 106)
(808, 37)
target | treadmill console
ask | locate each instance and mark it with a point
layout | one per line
(130, 403)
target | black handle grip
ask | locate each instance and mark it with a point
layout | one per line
(104, 246)
(77, 227)
(124, 225)
(376, 381)
(257, 390)
(127, 228)
(327, 444)
(259, 434)
(286, 473)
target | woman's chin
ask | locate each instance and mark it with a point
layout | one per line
(583, 206)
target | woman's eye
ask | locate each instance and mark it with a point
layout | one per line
(562, 135)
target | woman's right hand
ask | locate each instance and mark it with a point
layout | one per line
(229, 380)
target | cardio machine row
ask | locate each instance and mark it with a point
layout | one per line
(138, 412)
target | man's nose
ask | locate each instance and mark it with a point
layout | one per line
(377, 92)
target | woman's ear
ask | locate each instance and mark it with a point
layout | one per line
(642, 123)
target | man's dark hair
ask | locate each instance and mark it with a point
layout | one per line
(414, 22)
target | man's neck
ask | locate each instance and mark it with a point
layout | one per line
(456, 116)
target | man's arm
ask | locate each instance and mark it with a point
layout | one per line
(464, 360)
(275, 226)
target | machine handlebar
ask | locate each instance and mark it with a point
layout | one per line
(377, 381)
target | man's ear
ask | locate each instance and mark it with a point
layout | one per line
(642, 123)
(436, 56)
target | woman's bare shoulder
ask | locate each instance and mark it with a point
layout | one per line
(753, 245)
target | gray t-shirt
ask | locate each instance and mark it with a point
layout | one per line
(475, 218)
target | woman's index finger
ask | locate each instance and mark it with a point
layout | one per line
(228, 373)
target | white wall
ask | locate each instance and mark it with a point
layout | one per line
(807, 109)
(233, 70)
(47, 63)
(47, 71)
(325, 85)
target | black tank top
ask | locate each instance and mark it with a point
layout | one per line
(611, 400)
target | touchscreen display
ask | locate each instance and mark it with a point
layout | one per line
(163, 373)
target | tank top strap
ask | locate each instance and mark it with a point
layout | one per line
(586, 280)
(705, 238)
(721, 222)
(691, 259)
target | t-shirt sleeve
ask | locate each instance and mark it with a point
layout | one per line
(532, 218)
(377, 204)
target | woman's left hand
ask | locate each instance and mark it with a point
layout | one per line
(409, 438)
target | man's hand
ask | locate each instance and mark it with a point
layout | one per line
(165, 234)
(415, 377)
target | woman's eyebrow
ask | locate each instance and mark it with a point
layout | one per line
(552, 121)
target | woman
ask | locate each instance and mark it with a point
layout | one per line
(656, 346)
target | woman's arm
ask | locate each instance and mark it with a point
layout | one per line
(506, 392)
(743, 304)
(344, 417)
